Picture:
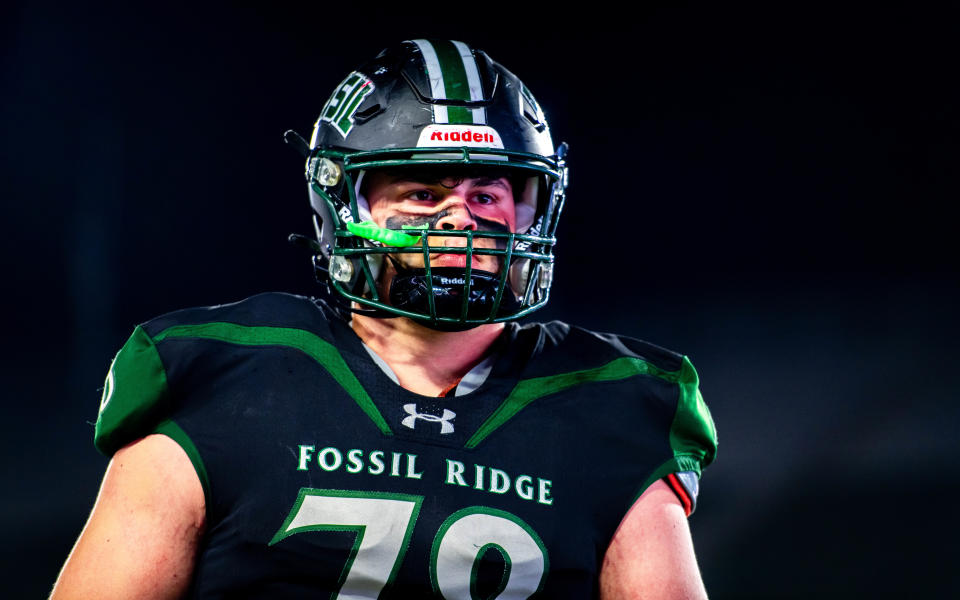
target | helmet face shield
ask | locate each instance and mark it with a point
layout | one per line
(395, 272)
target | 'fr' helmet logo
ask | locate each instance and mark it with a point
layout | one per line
(445, 425)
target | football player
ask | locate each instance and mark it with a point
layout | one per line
(402, 436)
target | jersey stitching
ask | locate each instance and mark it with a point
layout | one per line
(680, 462)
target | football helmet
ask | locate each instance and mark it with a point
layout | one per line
(443, 107)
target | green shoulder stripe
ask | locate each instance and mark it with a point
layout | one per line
(134, 395)
(692, 436)
(309, 343)
(528, 390)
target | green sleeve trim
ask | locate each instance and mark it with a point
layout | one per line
(309, 343)
(693, 432)
(173, 431)
(134, 395)
(529, 390)
(693, 436)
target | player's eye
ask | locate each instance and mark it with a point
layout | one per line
(484, 199)
(421, 195)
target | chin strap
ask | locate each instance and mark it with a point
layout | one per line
(342, 306)
(295, 140)
(319, 261)
(304, 242)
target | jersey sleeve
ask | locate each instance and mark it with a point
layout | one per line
(693, 440)
(135, 395)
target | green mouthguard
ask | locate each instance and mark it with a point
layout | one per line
(391, 237)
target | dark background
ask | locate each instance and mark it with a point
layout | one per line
(767, 189)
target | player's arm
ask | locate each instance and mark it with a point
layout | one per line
(142, 536)
(651, 555)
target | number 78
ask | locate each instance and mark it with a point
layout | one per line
(384, 523)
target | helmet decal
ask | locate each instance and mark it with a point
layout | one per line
(341, 107)
(473, 136)
(453, 75)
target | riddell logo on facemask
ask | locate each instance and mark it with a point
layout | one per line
(474, 136)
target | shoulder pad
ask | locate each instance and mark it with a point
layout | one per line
(134, 397)
(271, 309)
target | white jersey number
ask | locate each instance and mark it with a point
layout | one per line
(384, 523)
(467, 535)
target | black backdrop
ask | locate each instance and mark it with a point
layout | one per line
(766, 189)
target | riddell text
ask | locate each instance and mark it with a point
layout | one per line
(461, 136)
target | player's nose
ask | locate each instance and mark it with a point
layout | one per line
(456, 215)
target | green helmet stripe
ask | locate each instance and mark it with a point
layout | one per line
(454, 81)
(472, 73)
(453, 75)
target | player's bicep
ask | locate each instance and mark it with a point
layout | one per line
(142, 536)
(651, 554)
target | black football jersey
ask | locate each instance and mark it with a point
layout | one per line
(324, 478)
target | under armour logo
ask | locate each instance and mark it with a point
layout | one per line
(445, 425)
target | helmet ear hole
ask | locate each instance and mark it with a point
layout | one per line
(363, 206)
(323, 226)
(526, 203)
(519, 276)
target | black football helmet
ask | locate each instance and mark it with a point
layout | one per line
(440, 105)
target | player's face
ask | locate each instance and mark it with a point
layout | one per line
(451, 203)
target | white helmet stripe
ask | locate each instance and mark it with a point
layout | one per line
(473, 80)
(435, 74)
